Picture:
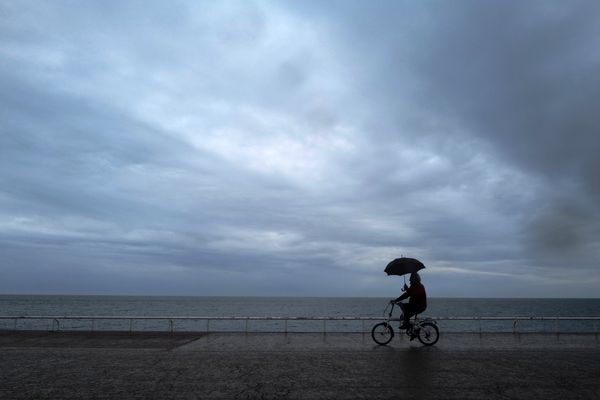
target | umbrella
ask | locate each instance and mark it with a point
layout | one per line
(403, 265)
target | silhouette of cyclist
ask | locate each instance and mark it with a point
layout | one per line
(417, 302)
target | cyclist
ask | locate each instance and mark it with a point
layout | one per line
(417, 302)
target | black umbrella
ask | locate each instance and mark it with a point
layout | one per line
(403, 265)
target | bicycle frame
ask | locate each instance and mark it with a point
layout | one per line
(417, 322)
(389, 318)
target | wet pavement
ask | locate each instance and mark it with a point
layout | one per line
(45, 365)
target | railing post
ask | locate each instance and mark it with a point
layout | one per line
(57, 325)
(246, 325)
(15, 326)
(171, 325)
(324, 326)
(285, 326)
(515, 326)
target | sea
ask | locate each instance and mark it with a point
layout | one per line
(292, 307)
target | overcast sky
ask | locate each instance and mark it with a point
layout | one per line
(295, 148)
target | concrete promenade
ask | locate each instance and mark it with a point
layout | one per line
(46, 365)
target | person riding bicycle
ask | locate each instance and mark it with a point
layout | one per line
(417, 302)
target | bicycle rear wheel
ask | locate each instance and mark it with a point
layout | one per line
(428, 333)
(382, 333)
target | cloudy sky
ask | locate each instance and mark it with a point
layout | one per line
(295, 148)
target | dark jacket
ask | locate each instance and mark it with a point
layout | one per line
(418, 297)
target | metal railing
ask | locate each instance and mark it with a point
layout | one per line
(56, 320)
(171, 320)
(515, 320)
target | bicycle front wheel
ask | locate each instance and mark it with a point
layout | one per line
(428, 333)
(382, 333)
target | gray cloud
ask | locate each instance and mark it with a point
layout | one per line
(524, 78)
(295, 148)
(515, 82)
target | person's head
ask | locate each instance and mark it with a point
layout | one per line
(414, 278)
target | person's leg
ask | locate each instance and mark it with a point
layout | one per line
(401, 305)
(407, 312)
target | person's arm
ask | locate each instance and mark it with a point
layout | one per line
(405, 295)
(409, 292)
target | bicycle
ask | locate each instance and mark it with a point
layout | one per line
(425, 330)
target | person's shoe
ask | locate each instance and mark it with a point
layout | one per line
(404, 326)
